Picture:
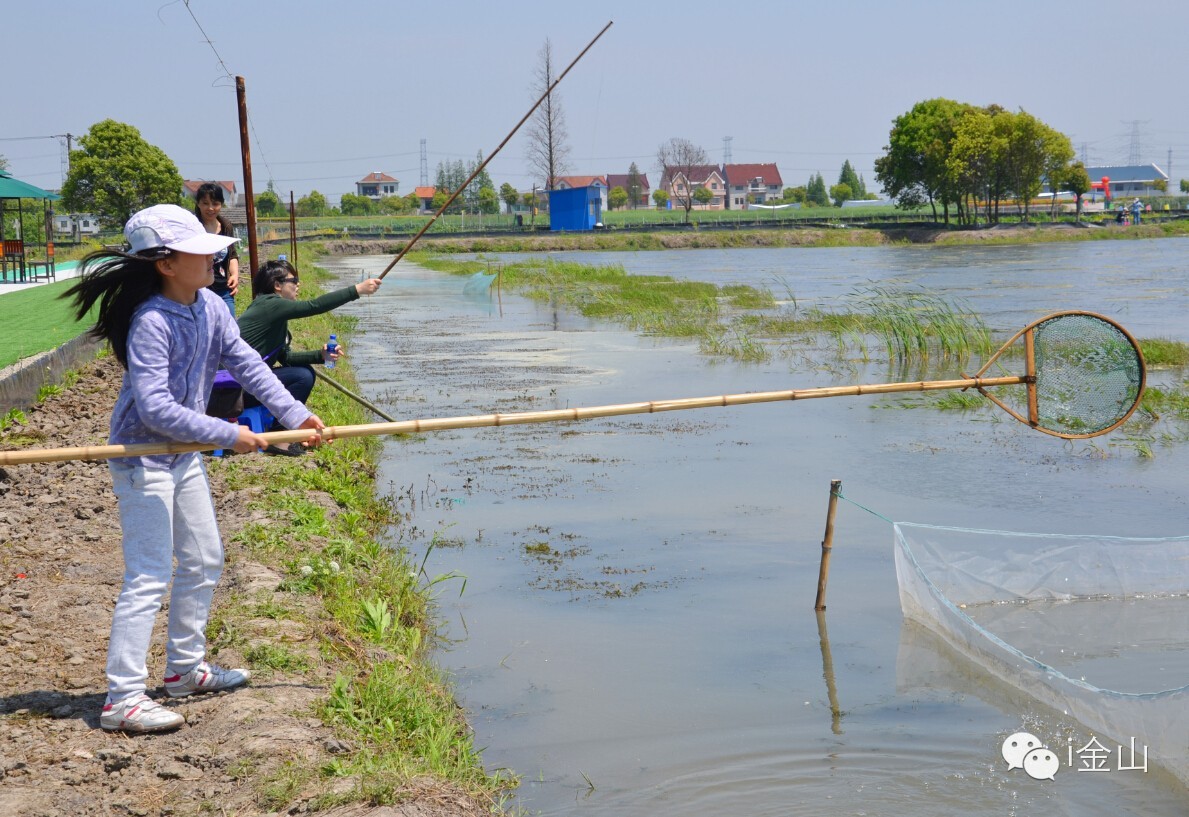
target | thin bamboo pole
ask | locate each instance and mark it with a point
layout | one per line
(823, 572)
(354, 396)
(103, 452)
(404, 250)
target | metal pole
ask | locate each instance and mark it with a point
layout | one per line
(249, 197)
(292, 230)
(827, 546)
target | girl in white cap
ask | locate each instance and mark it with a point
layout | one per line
(170, 333)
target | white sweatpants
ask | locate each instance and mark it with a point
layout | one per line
(165, 515)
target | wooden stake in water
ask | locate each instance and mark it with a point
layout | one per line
(823, 573)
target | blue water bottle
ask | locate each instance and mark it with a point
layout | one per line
(330, 347)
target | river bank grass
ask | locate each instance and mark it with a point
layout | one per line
(374, 608)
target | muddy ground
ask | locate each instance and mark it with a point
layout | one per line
(60, 571)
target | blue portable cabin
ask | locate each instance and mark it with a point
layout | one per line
(578, 208)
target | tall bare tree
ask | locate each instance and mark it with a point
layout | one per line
(682, 162)
(547, 151)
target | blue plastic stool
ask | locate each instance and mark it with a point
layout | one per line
(257, 418)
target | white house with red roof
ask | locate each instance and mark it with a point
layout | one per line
(756, 183)
(425, 195)
(376, 185)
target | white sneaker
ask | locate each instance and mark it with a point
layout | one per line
(139, 713)
(205, 678)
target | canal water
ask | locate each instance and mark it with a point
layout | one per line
(630, 621)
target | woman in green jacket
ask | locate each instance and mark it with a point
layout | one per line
(265, 324)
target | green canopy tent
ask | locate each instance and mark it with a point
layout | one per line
(16, 252)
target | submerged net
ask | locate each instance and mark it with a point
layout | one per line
(1090, 626)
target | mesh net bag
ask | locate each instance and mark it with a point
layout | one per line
(1090, 626)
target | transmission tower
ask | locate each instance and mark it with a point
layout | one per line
(726, 149)
(1135, 155)
(424, 166)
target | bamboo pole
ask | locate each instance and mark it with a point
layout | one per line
(103, 452)
(354, 396)
(823, 572)
(479, 169)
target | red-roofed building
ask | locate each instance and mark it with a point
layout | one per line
(756, 184)
(680, 188)
(425, 195)
(615, 180)
(376, 185)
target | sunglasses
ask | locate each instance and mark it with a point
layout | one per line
(288, 281)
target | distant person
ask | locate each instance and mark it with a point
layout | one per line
(265, 327)
(208, 206)
(1136, 209)
(170, 335)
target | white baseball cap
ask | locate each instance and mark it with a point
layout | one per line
(171, 227)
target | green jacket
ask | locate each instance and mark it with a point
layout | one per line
(265, 324)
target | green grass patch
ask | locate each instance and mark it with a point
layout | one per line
(36, 320)
(1164, 353)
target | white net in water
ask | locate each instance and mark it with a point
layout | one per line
(1096, 627)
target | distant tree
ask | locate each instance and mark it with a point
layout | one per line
(851, 179)
(797, 194)
(509, 195)
(482, 181)
(439, 199)
(450, 177)
(353, 205)
(312, 204)
(661, 197)
(815, 192)
(1161, 185)
(115, 172)
(530, 199)
(679, 161)
(839, 193)
(3, 163)
(396, 205)
(703, 196)
(268, 205)
(1185, 185)
(617, 198)
(913, 169)
(635, 188)
(489, 201)
(547, 149)
(1077, 181)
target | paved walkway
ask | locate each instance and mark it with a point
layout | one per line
(67, 269)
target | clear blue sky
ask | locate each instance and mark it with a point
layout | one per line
(339, 89)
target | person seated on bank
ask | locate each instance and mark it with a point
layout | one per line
(264, 325)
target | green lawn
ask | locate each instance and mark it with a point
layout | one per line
(35, 320)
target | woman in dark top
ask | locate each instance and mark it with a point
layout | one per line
(265, 324)
(208, 206)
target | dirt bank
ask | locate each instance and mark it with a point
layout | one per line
(60, 570)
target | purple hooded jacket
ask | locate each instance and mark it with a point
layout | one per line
(173, 353)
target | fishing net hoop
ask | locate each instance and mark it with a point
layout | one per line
(1084, 375)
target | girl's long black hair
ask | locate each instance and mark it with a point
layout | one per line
(118, 282)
